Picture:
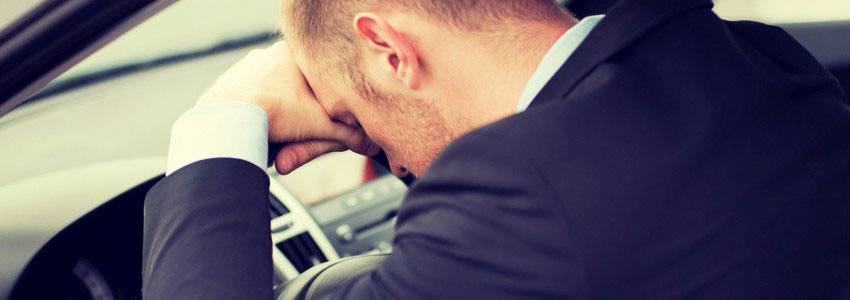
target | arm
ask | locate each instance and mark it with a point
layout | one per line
(206, 225)
(206, 233)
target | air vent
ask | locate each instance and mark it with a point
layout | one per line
(302, 251)
(276, 209)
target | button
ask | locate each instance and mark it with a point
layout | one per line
(368, 195)
(384, 247)
(351, 202)
(344, 233)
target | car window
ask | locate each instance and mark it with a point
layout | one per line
(784, 11)
(182, 27)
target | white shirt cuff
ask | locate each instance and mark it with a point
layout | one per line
(220, 130)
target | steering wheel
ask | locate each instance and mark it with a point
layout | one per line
(325, 278)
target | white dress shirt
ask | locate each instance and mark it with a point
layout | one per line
(221, 129)
(240, 129)
(555, 58)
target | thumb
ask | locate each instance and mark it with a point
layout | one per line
(294, 155)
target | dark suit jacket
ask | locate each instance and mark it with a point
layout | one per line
(674, 155)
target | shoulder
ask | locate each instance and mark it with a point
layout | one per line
(480, 204)
(484, 170)
(483, 158)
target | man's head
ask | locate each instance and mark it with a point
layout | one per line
(416, 74)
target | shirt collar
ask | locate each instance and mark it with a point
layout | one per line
(555, 58)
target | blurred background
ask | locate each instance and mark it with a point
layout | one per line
(783, 11)
(120, 102)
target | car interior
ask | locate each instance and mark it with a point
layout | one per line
(82, 151)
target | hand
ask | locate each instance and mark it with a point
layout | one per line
(270, 79)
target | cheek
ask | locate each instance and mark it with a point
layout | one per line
(382, 128)
(374, 125)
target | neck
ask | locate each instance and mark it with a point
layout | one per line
(494, 78)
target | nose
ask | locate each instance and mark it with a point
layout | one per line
(398, 170)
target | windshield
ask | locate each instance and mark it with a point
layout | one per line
(186, 30)
(179, 29)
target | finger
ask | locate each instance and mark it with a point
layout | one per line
(295, 155)
(321, 128)
(353, 138)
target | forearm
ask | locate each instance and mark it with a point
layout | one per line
(206, 233)
(206, 225)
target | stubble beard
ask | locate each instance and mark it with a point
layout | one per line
(415, 131)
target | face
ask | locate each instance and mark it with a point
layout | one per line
(409, 128)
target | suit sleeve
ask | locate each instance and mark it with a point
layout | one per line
(480, 224)
(207, 235)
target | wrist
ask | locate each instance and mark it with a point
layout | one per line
(219, 129)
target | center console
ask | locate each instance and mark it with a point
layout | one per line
(360, 221)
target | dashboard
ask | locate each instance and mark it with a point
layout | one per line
(359, 221)
(99, 255)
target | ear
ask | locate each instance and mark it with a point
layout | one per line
(397, 52)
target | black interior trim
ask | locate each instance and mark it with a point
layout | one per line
(27, 20)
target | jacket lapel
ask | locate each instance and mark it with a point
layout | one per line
(624, 24)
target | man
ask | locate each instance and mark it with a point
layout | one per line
(655, 152)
